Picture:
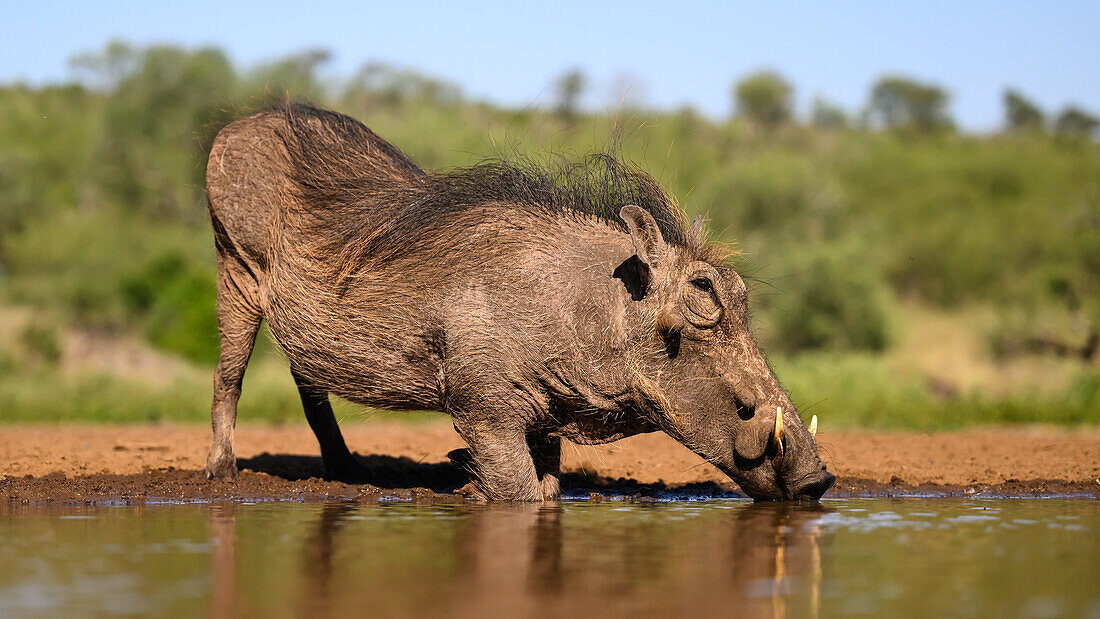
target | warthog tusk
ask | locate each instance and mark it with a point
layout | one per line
(777, 433)
(813, 426)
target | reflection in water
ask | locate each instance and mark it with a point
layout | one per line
(223, 598)
(768, 553)
(519, 558)
(545, 575)
(318, 554)
(795, 552)
(509, 553)
(877, 557)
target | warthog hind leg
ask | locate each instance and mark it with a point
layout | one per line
(238, 321)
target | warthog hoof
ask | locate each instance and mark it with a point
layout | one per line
(222, 470)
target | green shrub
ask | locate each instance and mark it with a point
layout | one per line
(183, 317)
(177, 300)
(130, 273)
(7, 363)
(770, 192)
(831, 299)
(41, 343)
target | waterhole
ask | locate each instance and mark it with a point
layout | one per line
(879, 557)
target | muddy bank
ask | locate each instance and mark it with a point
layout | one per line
(148, 463)
(174, 485)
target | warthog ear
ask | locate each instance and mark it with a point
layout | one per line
(644, 232)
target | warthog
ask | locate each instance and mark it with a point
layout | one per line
(530, 305)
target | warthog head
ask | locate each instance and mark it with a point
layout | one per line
(705, 382)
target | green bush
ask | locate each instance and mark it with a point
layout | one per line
(177, 300)
(831, 299)
(41, 343)
(131, 272)
(183, 319)
(771, 192)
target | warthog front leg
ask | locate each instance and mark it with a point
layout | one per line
(340, 465)
(502, 463)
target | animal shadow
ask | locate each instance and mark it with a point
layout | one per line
(388, 472)
(392, 472)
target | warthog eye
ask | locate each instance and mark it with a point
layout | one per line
(701, 302)
(703, 284)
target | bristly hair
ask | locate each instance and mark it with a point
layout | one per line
(362, 197)
(598, 185)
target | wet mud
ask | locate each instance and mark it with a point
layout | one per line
(297, 478)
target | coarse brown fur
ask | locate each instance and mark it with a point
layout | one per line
(529, 304)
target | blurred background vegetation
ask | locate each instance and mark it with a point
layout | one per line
(904, 274)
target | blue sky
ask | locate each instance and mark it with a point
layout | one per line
(672, 53)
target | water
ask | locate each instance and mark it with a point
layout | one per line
(877, 557)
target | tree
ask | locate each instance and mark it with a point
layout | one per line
(1021, 115)
(160, 119)
(1074, 122)
(381, 83)
(765, 98)
(569, 88)
(833, 299)
(104, 70)
(901, 103)
(827, 115)
(294, 76)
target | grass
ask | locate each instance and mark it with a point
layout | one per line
(34, 389)
(862, 391)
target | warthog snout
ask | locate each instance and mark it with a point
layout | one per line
(813, 485)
